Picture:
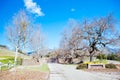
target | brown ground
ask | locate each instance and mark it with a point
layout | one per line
(23, 74)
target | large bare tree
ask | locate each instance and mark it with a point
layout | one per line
(93, 35)
(19, 31)
(99, 33)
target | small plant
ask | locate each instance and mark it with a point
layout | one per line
(88, 62)
(19, 61)
(112, 56)
(110, 66)
(101, 56)
(82, 66)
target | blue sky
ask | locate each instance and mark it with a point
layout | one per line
(54, 15)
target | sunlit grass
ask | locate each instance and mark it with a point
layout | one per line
(42, 68)
(97, 61)
(2, 68)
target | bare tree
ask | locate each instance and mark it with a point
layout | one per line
(36, 43)
(64, 42)
(99, 33)
(18, 31)
(22, 20)
(93, 35)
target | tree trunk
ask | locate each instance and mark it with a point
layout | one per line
(37, 59)
(16, 55)
(91, 58)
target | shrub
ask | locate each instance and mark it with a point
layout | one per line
(101, 56)
(104, 61)
(118, 56)
(112, 56)
(88, 62)
(110, 66)
(19, 61)
(82, 66)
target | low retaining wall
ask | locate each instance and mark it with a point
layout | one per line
(96, 66)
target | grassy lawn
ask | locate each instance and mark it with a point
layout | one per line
(7, 56)
(42, 68)
(3, 68)
(8, 59)
(5, 60)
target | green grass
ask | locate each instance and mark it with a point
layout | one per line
(42, 68)
(3, 68)
(7, 56)
(103, 61)
(5, 60)
(97, 61)
(8, 59)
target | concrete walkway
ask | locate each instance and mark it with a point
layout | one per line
(56, 73)
(68, 72)
(113, 61)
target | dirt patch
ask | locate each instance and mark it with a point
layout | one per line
(118, 66)
(27, 62)
(23, 75)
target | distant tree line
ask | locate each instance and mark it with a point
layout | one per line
(111, 56)
(3, 46)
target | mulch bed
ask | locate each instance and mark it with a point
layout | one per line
(23, 75)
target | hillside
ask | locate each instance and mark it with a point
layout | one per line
(6, 52)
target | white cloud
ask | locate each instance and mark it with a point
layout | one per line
(33, 7)
(72, 10)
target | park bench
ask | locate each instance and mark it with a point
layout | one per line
(96, 66)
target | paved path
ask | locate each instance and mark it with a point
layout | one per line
(113, 61)
(68, 72)
(56, 73)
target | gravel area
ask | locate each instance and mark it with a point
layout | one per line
(113, 62)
